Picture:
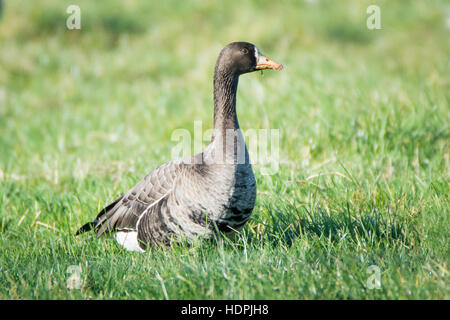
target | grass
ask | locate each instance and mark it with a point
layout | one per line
(363, 177)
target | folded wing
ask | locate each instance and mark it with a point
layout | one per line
(125, 211)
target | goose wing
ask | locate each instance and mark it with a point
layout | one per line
(124, 212)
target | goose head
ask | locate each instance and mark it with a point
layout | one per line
(243, 57)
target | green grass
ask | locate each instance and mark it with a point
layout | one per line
(364, 146)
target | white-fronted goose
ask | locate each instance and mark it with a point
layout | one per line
(195, 196)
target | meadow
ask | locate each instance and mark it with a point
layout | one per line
(358, 209)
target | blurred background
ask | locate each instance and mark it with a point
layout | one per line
(137, 70)
(364, 142)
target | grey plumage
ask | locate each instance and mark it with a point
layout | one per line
(195, 196)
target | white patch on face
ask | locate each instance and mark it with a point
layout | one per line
(259, 56)
(257, 53)
(128, 240)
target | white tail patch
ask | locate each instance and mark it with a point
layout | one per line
(128, 239)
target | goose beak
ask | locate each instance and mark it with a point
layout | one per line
(265, 63)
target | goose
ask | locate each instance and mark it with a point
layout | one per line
(197, 196)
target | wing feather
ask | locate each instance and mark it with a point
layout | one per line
(125, 211)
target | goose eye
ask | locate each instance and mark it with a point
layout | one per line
(244, 50)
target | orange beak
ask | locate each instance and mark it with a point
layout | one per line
(265, 63)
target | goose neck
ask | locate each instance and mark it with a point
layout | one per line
(225, 88)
